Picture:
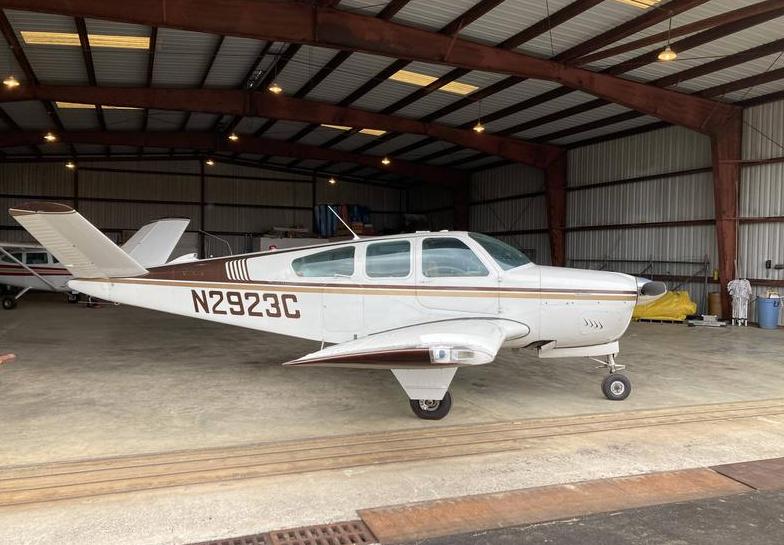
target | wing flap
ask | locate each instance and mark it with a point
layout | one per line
(449, 343)
(75, 242)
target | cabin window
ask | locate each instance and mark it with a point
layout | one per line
(388, 259)
(9, 260)
(36, 258)
(338, 262)
(507, 257)
(444, 257)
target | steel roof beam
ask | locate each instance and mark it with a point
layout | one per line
(255, 104)
(306, 24)
(209, 142)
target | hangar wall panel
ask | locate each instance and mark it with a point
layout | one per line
(35, 179)
(508, 215)
(762, 198)
(240, 202)
(647, 181)
(671, 198)
(106, 184)
(672, 149)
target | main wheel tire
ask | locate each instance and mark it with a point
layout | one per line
(73, 298)
(9, 303)
(432, 409)
(616, 387)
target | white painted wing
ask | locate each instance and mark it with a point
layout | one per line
(448, 343)
(152, 245)
(74, 241)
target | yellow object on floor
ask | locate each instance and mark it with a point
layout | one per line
(674, 305)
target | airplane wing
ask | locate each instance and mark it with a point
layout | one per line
(447, 343)
(152, 245)
(74, 241)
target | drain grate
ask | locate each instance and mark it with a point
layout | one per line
(353, 532)
(340, 533)
(258, 539)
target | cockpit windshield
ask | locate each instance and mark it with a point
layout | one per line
(507, 257)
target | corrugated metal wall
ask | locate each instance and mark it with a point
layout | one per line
(655, 177)
(762, 196)
(120, 196)
(509, 203)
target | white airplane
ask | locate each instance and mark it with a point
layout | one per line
(32, 267)
(421, 304)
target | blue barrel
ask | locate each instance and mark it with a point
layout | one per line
(768, 309)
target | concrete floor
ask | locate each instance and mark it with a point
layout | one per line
(119, 380)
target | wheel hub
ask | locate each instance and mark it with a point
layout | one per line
(429, 404)
(617, 387)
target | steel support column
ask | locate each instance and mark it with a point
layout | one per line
(726, 151)
(555, 195)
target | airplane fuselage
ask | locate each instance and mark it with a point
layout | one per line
(341, 291)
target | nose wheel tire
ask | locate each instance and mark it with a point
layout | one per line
(9, 303)
(616, 387)
(432, 409)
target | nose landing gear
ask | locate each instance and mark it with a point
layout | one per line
(615, 386)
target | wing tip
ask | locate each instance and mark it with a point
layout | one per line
(28, 208)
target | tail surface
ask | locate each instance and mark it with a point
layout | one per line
(152, 245)
(74, 241)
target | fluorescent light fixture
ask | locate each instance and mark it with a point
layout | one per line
(338, 127)
(33, 37)
(642, 4)
(79, 106)
(372, 132)
(422, 80)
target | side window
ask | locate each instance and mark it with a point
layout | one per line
(388, 259)
(36, 258)
(9, 260)
(339, 262)
(443, 257)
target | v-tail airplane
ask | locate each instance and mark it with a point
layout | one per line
(31, 267)
(421, 305)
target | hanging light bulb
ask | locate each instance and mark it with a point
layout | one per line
(234, 137)
(11, 82)
(209, 162)
(479, 128)
(275, 88)
(385, 161)
(667, 54)
(332, 180)
(50, 137)
(70, 164)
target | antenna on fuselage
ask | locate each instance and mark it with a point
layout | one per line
(350, 230)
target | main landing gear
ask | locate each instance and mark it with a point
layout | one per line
(432, 409)
(615, 387)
